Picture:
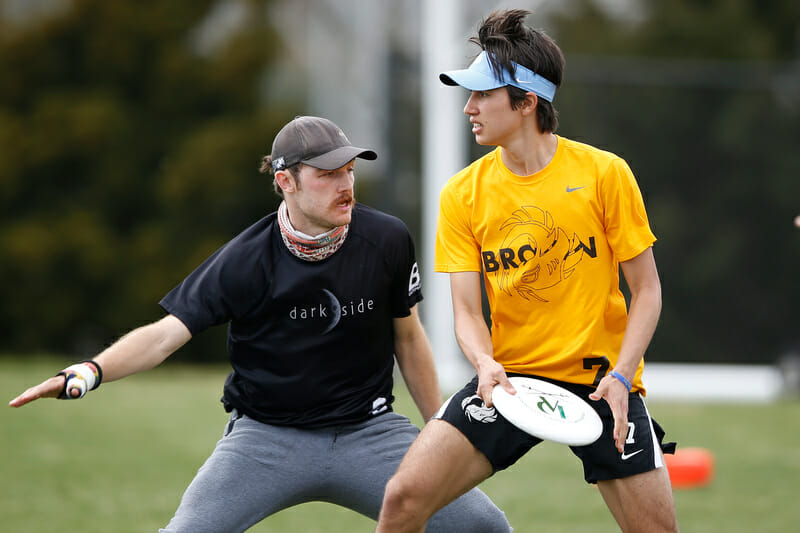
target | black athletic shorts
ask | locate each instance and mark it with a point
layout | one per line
(503, 443)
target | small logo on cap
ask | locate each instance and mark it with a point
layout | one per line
(279, 164)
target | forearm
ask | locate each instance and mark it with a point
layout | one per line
(474, 339)
(415, 360)
(473, 334)
(643, 315)
(645, 308)
(143, 348)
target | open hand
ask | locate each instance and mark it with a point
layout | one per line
(49, 388)
(615, 393)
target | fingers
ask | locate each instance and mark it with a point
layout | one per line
(27, 396)
(485, 392)
(599, 392)
(503, 381)
(616, 395)
(507, 385)
(619, 408)
(487, 384)
(50, 388)
(603, 389)
(620, 431)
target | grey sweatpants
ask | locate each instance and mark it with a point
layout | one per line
(257, 470)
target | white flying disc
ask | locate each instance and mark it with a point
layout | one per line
(548, 411)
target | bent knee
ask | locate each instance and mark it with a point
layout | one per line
(399, 493)
(400, 510)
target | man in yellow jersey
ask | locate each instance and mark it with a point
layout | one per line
(548, 221)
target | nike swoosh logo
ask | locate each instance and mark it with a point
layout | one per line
(626, 456)
(573, 189)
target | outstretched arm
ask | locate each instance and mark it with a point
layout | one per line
(473, 334)
(140, 350)
(415, 359)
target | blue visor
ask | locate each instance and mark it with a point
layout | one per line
(480, 77)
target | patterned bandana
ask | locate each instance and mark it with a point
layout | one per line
(306, 247)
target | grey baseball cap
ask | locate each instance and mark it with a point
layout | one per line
(316, 142)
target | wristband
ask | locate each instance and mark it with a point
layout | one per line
(98, 372)
(622, 379)
(80, 379)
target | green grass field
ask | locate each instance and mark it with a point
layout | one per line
(119, 460)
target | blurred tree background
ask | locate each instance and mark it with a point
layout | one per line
(129, 153)
(129, 149)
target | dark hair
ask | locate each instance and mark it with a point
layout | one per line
(266, 168)
(507, 39)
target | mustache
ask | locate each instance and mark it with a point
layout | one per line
(345, 198)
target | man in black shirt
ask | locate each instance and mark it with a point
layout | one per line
(320, 299)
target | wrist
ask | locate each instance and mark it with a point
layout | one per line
(487, 366)
(622, 379)
(79, 379)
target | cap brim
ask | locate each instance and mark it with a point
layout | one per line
(470, 80)
(339, 157)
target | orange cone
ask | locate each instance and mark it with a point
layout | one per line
(690, 468)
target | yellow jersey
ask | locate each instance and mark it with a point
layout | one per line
(549, 246)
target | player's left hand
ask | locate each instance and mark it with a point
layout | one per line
(615, 393)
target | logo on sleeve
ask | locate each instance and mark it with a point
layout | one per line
(415, 280)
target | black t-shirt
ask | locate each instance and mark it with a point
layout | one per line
(311, 343)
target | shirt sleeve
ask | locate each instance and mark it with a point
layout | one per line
(625, 218)
(222, 288)
(407, 280)
(457, 250)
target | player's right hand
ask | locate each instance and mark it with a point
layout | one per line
(492, 373)
(49, 388)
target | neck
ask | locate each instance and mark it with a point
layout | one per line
(309, 247)
(529, 153)
(300, 225)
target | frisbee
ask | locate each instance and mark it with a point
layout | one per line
(548, 411)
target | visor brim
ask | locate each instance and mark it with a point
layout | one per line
(339, 157)
(470, 80)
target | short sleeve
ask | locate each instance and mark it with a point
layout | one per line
(457, 250)
(406, 277)
(625, 218)
(224, 287)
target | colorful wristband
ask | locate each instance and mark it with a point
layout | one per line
(98, 372)
(622, 379)
(80, 379)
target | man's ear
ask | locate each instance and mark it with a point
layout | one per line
(529, 104)
(285, 180)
